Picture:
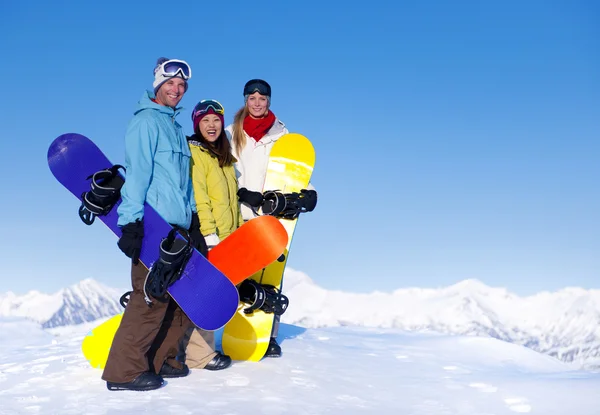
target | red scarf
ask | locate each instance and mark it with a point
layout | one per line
(258, 127)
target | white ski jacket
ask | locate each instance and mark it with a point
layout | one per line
(251, 166)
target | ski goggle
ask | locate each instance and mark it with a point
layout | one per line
(257, 85)
(205, 105)
(174, 67)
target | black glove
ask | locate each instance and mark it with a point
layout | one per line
(309, 199)
(197, 237)
(131, 240)
(254, 199)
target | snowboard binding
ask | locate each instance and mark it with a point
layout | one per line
(174, 254)
(124, 300)
(262, 297)
(105, 192)
(286, 205)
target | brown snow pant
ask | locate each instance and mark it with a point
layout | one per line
(148, 335)
(198, 348)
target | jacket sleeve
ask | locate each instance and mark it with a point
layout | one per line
(141, 141)
(239, 209)
(240, 217)
(199, 181)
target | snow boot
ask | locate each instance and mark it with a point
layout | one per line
(274, 350)
(219, 362)
(168, 371)
(144, 382)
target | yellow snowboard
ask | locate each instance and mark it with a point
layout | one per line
(291, 162)
(96, 344)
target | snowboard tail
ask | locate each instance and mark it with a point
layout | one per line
(96, 344)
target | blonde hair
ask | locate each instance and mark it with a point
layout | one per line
(239, 137)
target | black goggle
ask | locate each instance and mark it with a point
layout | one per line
(257, 85)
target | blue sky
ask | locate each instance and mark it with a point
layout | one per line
(454, 139)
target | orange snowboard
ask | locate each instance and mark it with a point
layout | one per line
(237, 257)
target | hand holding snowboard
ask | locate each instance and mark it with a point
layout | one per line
(131, 240)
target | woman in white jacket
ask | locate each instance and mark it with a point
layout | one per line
(254, 130)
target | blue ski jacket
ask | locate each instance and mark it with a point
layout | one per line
(157, 162)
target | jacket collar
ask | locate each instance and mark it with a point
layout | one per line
(146, 103)
(276, 130)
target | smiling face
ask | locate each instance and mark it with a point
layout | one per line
(170, 93)
(210, 127)
(258, 105)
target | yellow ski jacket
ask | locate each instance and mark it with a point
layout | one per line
(215, 190)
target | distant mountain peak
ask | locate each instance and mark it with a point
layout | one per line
(564, 324)
(471, 283)
(85, 301)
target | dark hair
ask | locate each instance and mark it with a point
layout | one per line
(220, 148)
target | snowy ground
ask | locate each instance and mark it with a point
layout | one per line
(323, 371)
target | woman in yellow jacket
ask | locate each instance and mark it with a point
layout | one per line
(215, 190)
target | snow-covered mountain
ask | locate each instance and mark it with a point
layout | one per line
(564, 324)
(79, 303)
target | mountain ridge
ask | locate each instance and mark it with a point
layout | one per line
(564, 324)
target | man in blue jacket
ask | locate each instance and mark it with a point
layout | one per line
(157, 159)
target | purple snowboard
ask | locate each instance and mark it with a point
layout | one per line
(206, 295)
